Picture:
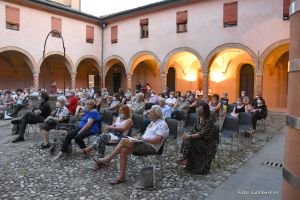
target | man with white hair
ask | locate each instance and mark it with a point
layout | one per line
(60, 115)
(165, 108)
(148, 144)
(138, 106)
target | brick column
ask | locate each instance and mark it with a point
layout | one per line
(73, 80)
(129, 81)
(259, 84)
(163, 79)
(205, 87)
(291, 168)
(36, 77)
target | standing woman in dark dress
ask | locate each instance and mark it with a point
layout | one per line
(199, 147)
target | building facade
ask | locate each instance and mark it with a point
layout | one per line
(215, 46)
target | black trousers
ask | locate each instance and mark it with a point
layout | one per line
(28, 118)
(73, 134)
(256, 116)
(17, 108)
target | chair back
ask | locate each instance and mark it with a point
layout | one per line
(212, 116)
(216, 134)
(190, 120)
(138, 122)
(173, 127)
(245, 119)
(230, 108)
(107, 117)
(230, 126)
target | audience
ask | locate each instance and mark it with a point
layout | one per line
(238, 108)
(138, 106)
(149, 143)
(118, 130)
(165, 108)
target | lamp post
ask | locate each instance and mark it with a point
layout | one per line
(64, 48)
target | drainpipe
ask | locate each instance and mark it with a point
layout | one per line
(291, 168)
(103, 26)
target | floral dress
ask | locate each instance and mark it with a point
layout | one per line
(200, 152)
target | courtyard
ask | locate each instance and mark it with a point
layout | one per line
(29, 173)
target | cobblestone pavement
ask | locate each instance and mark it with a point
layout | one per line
(28, 173)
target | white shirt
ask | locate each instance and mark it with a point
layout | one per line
(171, 100)
(159, 127)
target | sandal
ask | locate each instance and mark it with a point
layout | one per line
(118, 181)
(99, 163)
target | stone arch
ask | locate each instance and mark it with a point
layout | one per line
(269, 50)
(112, 57)
(69, 63)
(29, 58)
(164, 66)
(223, 47)
(136, 56)
(95, 60)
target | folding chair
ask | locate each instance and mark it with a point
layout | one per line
(230, 129)
(245, 122)
(107, 117)
(173, 132)
(189, 123)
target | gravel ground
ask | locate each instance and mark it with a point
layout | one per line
(28, 173)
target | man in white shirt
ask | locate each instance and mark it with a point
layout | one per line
(149, 144)
(165, 108)
(171, 100)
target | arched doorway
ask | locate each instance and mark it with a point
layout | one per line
(52, 70)
(275, 78)
(88, 75)
(184, 68)
(145, 69)
(15, 70)
(171, 76)
(247, 80)
(225, 70)
(115, 77)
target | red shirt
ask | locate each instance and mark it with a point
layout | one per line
(73, 101)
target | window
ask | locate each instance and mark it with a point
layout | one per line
(181, 21)
(144, 28)
(12, 18)
(114, 34)
(230, 13)
(89, 34)
(56, 25)
(286, 9)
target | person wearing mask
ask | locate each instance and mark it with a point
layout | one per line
(114, 105)
(199, 146)
(259, 112)
(104, 93)
(243, 95)
(148, 144)
(193, 103)
(119, 129)
(238, 108)
(36, 116)
(89, 125)
(98, 100)
(21, 102)
(153, 100)
(248, 106)
(138, 106)
(165, 108)
(60, 115)
(181, 108)
(171, 100)
(72, 103)
(215, 104)
(128, 94)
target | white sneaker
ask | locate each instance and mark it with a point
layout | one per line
(6, 117)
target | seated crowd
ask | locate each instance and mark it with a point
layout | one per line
(84, 110)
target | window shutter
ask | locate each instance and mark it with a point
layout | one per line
(144, 22)
(114, 34)
(181, 17)
(89, 33)
(12, 15)
(56, 24)
(286, 8)
(230, 13)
